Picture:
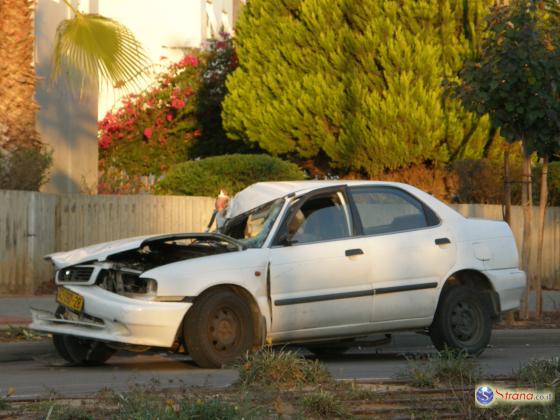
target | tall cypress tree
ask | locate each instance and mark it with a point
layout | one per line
(285, 94)
(359, 82)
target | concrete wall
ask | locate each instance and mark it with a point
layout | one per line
(66, 123)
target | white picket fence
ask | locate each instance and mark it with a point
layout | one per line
(34, 224)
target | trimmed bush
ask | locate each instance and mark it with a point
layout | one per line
(482, 181)
(229, 172)
(553, 184)
(24, 169)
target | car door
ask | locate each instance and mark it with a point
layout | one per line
(319, 272)
(411, 251)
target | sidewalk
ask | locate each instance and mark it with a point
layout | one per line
(15, 310)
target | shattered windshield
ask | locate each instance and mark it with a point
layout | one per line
(253, 227)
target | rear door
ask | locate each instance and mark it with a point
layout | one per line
(410, 250)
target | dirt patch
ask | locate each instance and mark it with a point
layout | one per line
(18, 334)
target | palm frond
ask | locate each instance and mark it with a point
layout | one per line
(90, 47)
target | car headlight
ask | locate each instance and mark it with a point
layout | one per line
(136, 286)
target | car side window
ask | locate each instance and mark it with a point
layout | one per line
(319, 219)
(386, 210)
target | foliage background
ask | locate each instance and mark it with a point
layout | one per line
(356, 85)
(229, 172)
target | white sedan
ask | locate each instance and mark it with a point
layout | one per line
(310, 262)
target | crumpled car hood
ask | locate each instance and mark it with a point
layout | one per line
(98, 252)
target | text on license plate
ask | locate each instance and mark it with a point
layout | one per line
(70, 299)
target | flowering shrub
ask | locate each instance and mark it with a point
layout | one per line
(221, 61)
(150, 130)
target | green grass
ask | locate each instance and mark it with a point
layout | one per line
(143, 405)
(323, 405)
(445, 368)
(64, 412)
(281, 369)
(540, 373)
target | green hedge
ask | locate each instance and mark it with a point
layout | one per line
(553, 184)
(229, 172)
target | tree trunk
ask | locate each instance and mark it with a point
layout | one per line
(542, 216)
(508, 318)
(527, 203)
(507, 187)
(17, 75)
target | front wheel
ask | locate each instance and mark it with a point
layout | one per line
(87, 352)
(80, 350)
(218, 329)
(462, 321)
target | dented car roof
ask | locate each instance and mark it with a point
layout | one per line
(264, 192)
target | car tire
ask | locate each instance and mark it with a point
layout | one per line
(83, 351)
(462, 322)
(80, 350)
(218, 329)
(58, 339)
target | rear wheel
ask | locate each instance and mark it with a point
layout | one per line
(462, 322)
(218, 329)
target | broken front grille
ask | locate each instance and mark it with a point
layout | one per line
(75, 274)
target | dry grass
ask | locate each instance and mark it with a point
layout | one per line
(281, 369)
(15, 334)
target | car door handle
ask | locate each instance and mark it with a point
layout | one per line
(352, 252)
(442, 241)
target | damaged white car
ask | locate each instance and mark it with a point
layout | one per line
(321, 263)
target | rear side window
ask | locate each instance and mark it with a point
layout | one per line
(387, 209)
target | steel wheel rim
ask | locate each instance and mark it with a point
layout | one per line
(223, 329)
(466, 322)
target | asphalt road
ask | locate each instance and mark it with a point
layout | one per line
(33, 368)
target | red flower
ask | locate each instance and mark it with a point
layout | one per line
(177, 103)
(169, 117)
(148, 132)
(189, 60)
(105, 141)
(197, 133)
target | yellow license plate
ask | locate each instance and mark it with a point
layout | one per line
(70, 299)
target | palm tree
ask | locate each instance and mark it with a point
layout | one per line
(91, 47)
(17, 76)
